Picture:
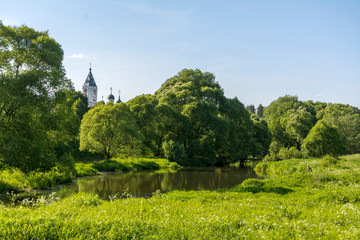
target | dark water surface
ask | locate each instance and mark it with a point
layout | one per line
(146, 183)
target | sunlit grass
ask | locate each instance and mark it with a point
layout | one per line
(128, 164)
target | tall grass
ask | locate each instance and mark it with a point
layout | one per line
(128, 164)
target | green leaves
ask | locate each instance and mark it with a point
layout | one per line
(110, 129)
(31, 107)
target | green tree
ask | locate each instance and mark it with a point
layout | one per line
(190, 86)
(260, 110)
(322, 139)
(298, 124)
(31, 81)
(144, 108)
(238, 132)
(109, 129)
(347, 122)
(251, 108)
(261, 137)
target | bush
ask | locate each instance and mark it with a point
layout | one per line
(56, 176)
(83, 169)
(289, 153)
(174, 151)
(110, 165)
(271, 157)
(328, 160)
(12, 180)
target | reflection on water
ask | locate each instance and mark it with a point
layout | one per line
(146, 183)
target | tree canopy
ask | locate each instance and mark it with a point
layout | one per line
(109, 129)
(32, 89)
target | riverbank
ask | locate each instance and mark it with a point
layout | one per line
(14, 180)
(291, 203)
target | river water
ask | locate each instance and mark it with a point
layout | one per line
(146, 183)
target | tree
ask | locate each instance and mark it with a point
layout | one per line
(289, 122)
(148, 119)
(109, 129)
(251, 108)
(260, 110)
(347, 122)
(190, 86)
(261, 137)
(31, 80)
(298, 124)
(322, 139)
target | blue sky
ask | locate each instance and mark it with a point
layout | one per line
(258, 50)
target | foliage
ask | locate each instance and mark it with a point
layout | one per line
(198, 125)
(36, 120)
(42, 180)
(261, 137)
(250, 108)
(144, 109)
(289, 153)
(323, 139)
(84, 169)
(328, 160)
(15, 180)
(127, 164)
(110, 129)
(175, 152)
(307, 126)
(260, 110)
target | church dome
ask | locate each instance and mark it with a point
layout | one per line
(111, 97)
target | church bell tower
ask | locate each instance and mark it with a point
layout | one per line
(89, 89)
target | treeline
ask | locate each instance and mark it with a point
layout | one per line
(45, 123)
(311, 129)
(188, 120)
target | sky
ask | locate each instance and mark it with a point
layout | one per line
(259, 50)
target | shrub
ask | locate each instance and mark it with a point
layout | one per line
(328, 160)
(271, 157)
(289, 153)
(110, 165)
(56, 176)
(83, 169)
(174, 151)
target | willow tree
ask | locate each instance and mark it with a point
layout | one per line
(109, 129)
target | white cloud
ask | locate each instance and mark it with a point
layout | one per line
(78, 56)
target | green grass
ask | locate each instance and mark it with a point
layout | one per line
(14, 180)
(129, 164)
(288, 204)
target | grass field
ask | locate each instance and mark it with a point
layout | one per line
(289, 204)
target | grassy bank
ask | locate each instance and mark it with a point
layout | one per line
(119, 164)
(14, 180)
(289, 204)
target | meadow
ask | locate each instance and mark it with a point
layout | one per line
(290, 203)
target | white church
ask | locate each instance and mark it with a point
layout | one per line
(90, 90)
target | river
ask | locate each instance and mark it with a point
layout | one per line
(146, 183)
